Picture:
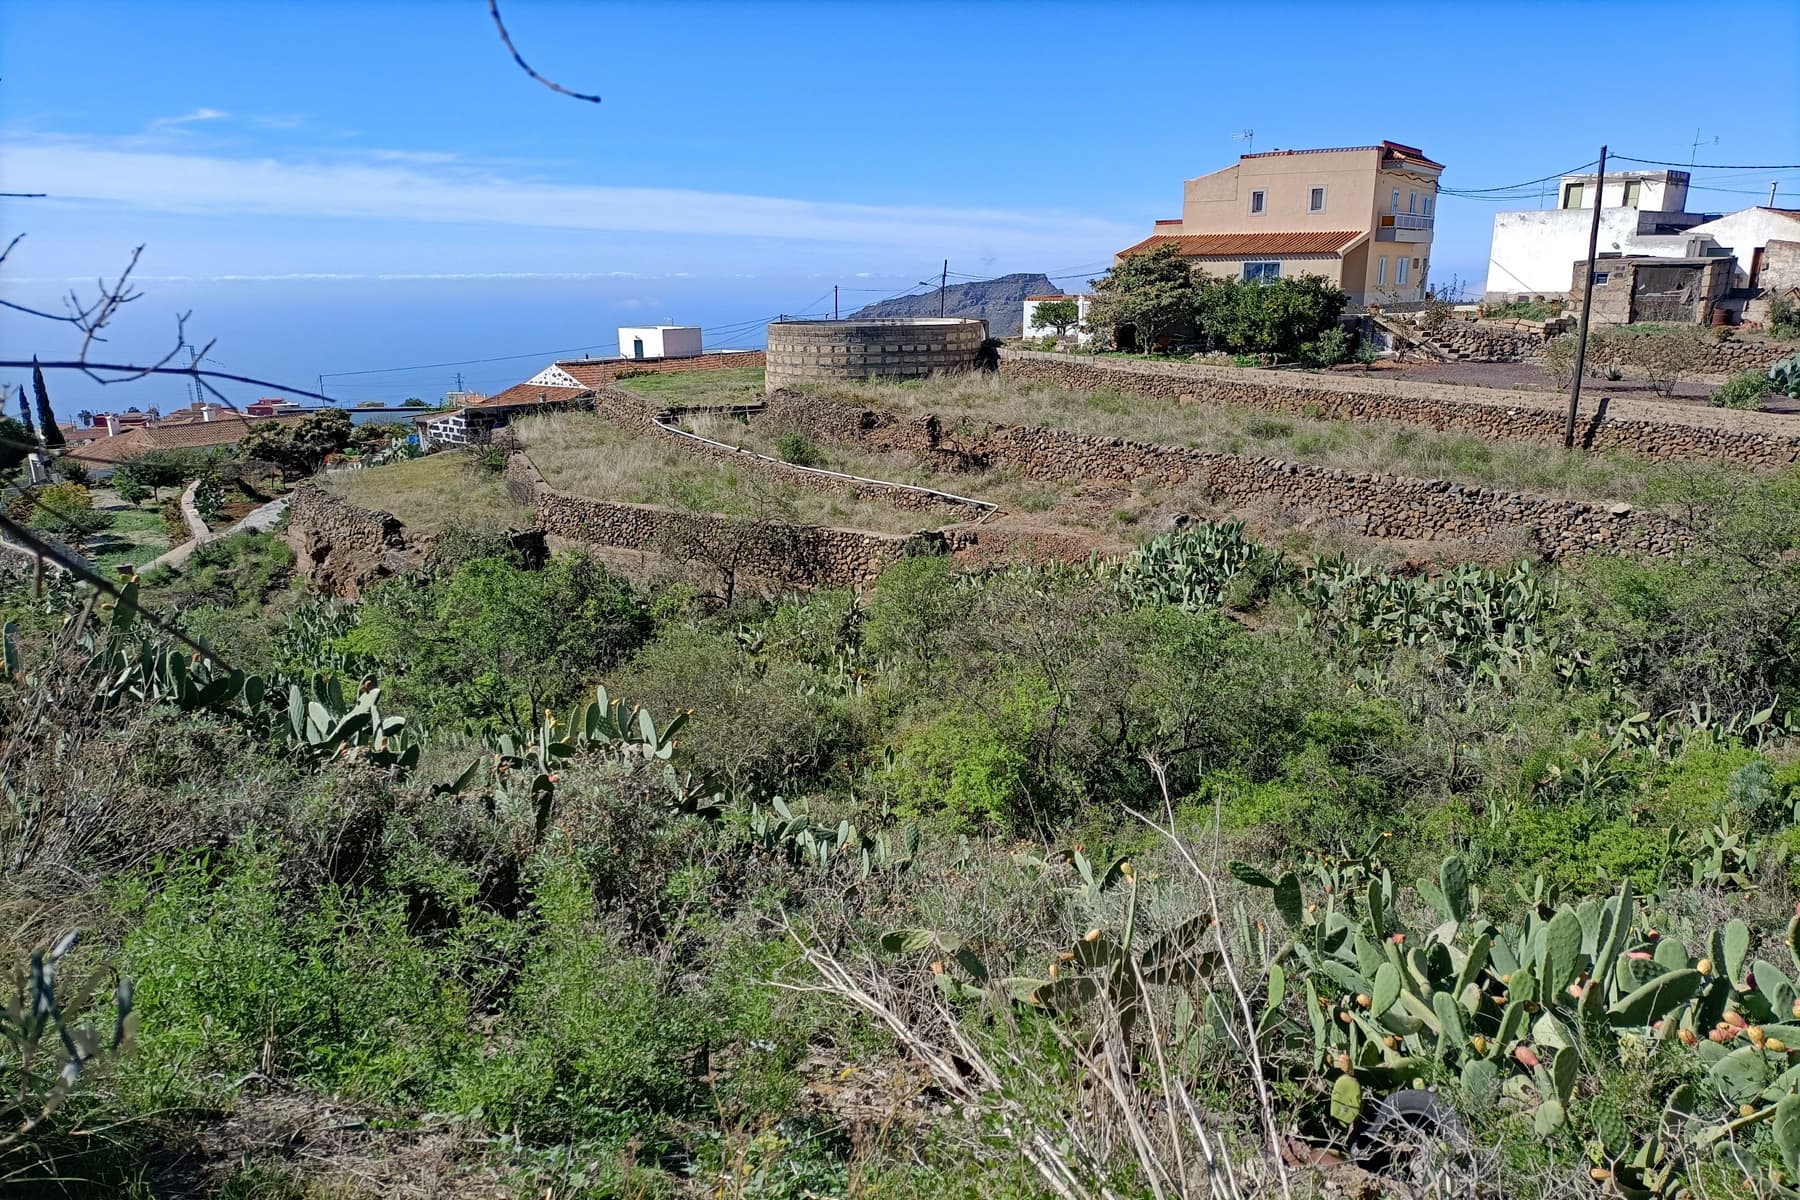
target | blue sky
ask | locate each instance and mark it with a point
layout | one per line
(344, 187)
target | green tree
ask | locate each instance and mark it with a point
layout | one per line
(25, 417)
(1152, 294)
(298, 448)
(1059, 315)
(209, 499)
(52, 433)
(15, 444)
(129, 487)
(66, 511)
(158, 469)
(413, 402)
(1276, 317)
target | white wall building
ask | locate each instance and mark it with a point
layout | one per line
(1031, 329)
(1641, 213)
(1746, 236)
(659, 341)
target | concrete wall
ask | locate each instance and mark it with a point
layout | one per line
(892, 348)
(1659, 431)
(1032, 330)
(660, 341)
(1532, 252)
(1623, 295)
(1743, 233)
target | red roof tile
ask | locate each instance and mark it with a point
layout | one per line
(530, 395)
(1250, 245)
(226, 429)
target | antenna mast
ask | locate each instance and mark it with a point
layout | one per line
(1248, 137)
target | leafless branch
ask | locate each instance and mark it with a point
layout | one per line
(494, 9)
(129, 371)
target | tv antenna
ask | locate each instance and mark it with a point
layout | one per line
(1694, 150)
(1248, 137)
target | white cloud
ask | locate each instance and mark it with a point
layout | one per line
(134, 178)
(199, 114)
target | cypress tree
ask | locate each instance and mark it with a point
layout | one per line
(52, 434)
(25, 415)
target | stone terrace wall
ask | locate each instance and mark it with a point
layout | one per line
(1659, 431)
(634, 415)
(1376, 505)
(785, 555)
(343, 550)
(879, 348)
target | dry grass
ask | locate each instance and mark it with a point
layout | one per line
(432, 494)
(1375, 447)
(736, 385)
(582, 454)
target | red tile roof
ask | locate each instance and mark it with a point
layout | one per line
(530, 395)
(226, 429)
(1250, 245)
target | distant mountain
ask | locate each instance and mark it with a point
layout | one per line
(1000, 301)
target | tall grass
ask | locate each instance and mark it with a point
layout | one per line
(583, 454)
(432, 494)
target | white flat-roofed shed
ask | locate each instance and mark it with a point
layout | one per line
(659, 341)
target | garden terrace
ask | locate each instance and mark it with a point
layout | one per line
(431, 494)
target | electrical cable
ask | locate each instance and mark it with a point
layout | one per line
(1657, 162)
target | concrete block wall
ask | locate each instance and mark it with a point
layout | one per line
(890, 348)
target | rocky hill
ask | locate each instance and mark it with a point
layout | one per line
(1001, 302)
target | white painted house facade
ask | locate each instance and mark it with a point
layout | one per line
(1641, 213)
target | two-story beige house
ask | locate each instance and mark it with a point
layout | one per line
(1361, 216)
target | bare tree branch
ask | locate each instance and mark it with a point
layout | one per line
(494, 9)
(128, 372)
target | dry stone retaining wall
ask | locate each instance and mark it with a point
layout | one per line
(787, 555)
(1391, 506)
(1751, 439)
(344, 550)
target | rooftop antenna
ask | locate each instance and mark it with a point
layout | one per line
(1248, 137)
(1694, 150)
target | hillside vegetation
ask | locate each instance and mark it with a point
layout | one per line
(1156, 878)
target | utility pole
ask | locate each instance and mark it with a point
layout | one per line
(834, 304)
(943, 282)
(1587, 303)
(1772, 184)
(459, 386)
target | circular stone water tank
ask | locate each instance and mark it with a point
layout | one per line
(877, 348)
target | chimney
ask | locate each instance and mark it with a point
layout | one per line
(206, 412)
(112, 424)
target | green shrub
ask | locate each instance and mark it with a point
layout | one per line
(796, 448)
(1784, 319)
(1745, 389)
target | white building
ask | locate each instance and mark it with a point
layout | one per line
(1747, 235)
(1641, 213)
(659, 341)
(1031, 329)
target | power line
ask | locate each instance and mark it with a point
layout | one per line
(1657, 162)
(1476, 193)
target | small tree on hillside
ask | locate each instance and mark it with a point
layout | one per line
(1059, 315)
(25, 417)
(52, 433)
(155, 470)
(1277, 317)
(15, 444)
(1153, 293)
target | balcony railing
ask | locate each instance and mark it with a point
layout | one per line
(1405, 221)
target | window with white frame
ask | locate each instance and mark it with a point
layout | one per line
(1427, 209)
(1258, 201)
(1381, 271)
(1261, 272)
(1412, 202)
(1400, 272)
(1396, 204)
(1315, 200)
